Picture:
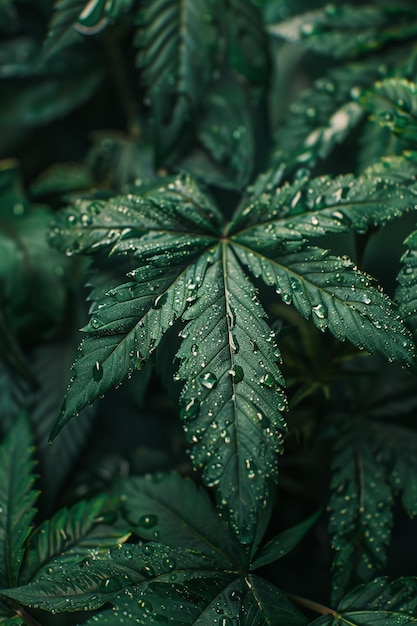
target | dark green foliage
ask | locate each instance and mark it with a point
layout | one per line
(227, 184)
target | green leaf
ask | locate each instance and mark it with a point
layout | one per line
(225, 130)
(204, 598)
(334, 295)
(247, 42)
(35, 97)
(283, 543)
(17, 499)
(321, 117)
(361, 509)
(291, 214)
(392, 603)
(393, 104)
(32, 276)
(174, 511)
(90, 583)
(406, 293)
(126, 330)
(177, 41)
(74, 18)
(71, 535)
(229, 363)
(349, 30)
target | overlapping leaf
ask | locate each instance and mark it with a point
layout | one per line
(348, 31)
(392, 603)
(177, 41)
(197, 574)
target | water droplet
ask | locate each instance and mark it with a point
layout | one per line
(237, 373)
(128, 554)
(320, 311)
(268, 380)
(208, 380)
(160, 300)
(148, 521)
(97, 371)
(190, 410)
(86, 219)
(148, 571)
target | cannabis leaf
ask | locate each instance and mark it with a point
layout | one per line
(392, 603)
(177, 44)
(406, 294)
(81, 531)
(191, 267)
(348, 31)
(73, 18)
(17, 499)
(196, 571)
(393, 104)
(373, 461)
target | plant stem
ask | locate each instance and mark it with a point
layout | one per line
(314, 606)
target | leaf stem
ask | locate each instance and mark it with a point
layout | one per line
(314, 606)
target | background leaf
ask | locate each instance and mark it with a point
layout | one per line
(17, 499)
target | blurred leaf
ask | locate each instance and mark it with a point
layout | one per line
(348, 30)
(17, 499)
(177, 44)
(74, 18)
(32, 276)
(393, 104)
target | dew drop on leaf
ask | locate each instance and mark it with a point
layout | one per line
(148, 521)
(237, 373)
(86, 219)
(268, 380)
(319, 311)
(208, 380)
(160, 300)
(97, 371)
(190, 410)
(129, 554)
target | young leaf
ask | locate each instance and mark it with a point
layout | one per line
(393, 104)
(173, 510)
(283, 543)
(17, 499)
(348, 31)
(177, 41)
(71, 535)
(392, 603)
